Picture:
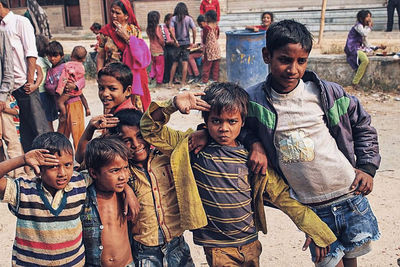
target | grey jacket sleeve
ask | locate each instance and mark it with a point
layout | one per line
(7, 66)
(366, 147)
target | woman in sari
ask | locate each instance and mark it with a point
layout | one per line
(120, 40)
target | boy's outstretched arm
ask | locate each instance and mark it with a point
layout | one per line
(34, 158)
(99, 122)
(276, 191)
(153, 123)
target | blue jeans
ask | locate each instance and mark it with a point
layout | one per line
(175, 253)
(354, 224)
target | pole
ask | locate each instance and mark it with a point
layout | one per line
(322, 22)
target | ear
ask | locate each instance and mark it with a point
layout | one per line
(128, 91)
(92, 173)
(266, 55)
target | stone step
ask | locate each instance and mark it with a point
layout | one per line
(335, 20)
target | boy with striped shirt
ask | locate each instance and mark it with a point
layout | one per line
(215, 184)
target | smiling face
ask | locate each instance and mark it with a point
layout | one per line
(113, 176)
(111, 91)
(266, 20)
(287, 66)
(118, 16)
(133, 139)
(225, 127)
(58, 176)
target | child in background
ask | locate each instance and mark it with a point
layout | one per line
(357, 46)
(72, 82)
(48, 100)
(95, 28)
(74, 122)
(55, 55)
(212, 52)
(157, 44)
(196, 55)
(105, 226)
(9, 133)
(168, 48)
(266, 19)
(320, 139)
(207, 5)
(179, 26)
(216, 187)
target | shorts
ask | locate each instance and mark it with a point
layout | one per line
(49, 106)
(246, 255)
(174, 253)
(354, 224)
(180, 53)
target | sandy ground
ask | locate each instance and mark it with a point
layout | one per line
(282, 245)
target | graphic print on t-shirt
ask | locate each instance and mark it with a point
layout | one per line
(296, 147)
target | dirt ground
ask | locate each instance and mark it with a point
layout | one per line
(282, 245)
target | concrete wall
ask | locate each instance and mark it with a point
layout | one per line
(383, 73)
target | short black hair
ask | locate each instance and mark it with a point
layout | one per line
(167, 17)
(95, 26)
(288, 32)
(54, 142)
(126, 117)
(5, 3)
(79, 52)
(211, 16)
(225, 96)
(55, 49)
(102, 150)
(269, 13)
(119, 71)
(42, 42)
(200, 19)
(362, 14)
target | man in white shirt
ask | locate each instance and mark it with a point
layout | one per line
(22, 39)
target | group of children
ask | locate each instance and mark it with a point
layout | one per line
(322, 155)
(170, 47)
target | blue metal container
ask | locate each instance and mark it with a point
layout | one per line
(244, 61)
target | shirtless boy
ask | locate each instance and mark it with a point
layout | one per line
(105, 226)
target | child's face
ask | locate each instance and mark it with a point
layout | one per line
(54, 59)
(202, 24)
(266, 20)
(113, 176)
(224, 128)
(133, 139)
(367, 20)
(58, 176)
(95, 31)
(111, 92)
(287, 66)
